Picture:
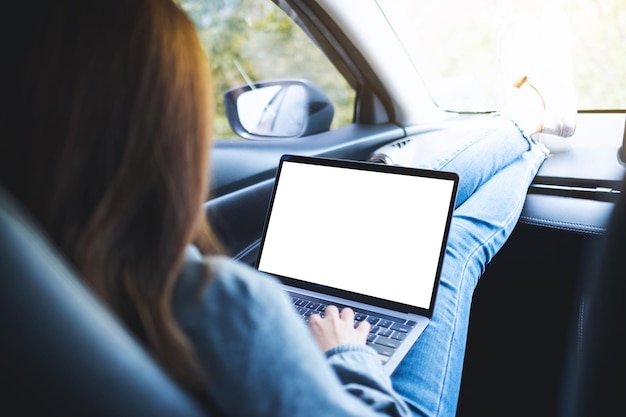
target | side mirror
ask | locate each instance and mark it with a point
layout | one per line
(278, 109)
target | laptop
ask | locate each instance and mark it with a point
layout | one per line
(364, 235)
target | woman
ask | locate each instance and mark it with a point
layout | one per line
(108, 119)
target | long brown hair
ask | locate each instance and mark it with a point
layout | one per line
(106, 143)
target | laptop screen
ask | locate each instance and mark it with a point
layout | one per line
(368, 229)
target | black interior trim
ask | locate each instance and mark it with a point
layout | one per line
(593, 190)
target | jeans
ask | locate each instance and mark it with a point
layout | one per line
(496, 166)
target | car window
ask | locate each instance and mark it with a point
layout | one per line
(254, 40)
(453, 44)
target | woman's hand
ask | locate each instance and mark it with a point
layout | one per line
(337, 328)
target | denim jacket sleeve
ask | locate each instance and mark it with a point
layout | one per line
(261, 359)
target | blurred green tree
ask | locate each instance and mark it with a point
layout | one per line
(253, 40)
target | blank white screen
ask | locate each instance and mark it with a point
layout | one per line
(372, 233)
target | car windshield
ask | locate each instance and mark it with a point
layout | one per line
(453, 45)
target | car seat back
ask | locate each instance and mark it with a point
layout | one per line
(63, 352)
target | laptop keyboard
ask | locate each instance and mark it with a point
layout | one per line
(386, 332)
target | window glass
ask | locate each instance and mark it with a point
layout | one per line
(254, 40)
(454, 46)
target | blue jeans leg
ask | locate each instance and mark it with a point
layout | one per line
(476, 157)
(429, 377)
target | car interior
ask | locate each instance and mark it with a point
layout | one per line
(65, 354)
(545, 334)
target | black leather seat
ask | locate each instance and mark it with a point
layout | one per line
(62, 352)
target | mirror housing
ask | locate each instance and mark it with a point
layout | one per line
(278, 109)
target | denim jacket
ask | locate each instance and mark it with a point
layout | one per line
(260, 357)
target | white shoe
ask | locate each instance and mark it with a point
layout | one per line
(538, 53)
